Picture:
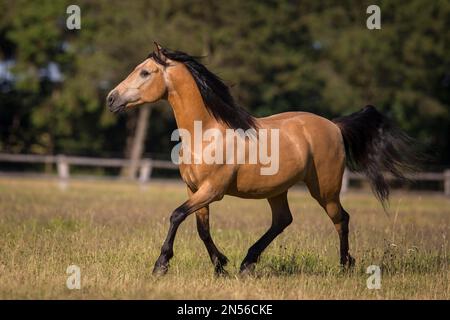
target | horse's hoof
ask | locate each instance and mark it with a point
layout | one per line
(247, 269)
(221, 273)
(348, 263)
(219, 263)
(351, 261)
(160, 271)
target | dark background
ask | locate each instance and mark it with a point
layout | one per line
(315, 56)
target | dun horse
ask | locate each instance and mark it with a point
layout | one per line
(312, 149)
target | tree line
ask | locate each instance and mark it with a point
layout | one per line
(277, 56)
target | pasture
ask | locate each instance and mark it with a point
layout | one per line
(113, 231)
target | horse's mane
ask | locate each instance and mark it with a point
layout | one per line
(216, 94)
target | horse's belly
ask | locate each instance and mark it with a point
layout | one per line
(252, 183)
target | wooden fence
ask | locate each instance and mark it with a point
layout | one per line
(63, 163)
(443, 176)
(146, 166)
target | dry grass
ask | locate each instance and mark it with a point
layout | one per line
(113, 231)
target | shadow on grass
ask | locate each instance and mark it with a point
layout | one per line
(392, 261)
(299, 263)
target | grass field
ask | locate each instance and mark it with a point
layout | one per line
(113, 232)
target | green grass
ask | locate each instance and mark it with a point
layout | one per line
(113, 232)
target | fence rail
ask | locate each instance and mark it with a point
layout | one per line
(146, 166)
(443, 176)
(63, 163)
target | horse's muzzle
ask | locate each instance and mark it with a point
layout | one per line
(114, 102)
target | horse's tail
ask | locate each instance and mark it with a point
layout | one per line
(374, 145)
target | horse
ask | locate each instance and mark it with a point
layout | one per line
(312, 149)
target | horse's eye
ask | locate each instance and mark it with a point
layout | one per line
(144, 73)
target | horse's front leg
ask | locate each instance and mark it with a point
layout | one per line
(198, 200)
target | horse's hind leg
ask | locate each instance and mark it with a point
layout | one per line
(281, 218)
(340, 219)
(331, 203)
(218, 259)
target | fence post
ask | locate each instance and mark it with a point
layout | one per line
(145, 171)
(62, 167)
(447, 182)
(345, 180)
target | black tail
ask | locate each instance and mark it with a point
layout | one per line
(374, 145)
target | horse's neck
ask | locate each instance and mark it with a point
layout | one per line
(188, 105)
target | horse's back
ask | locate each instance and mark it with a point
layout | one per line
(299, 117)
(315, 129)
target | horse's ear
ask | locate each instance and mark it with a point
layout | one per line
(157, 47)
(158, 51)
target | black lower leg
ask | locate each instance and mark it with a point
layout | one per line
(346, 259)
(162, 264)
(255, 250)
(281, 218)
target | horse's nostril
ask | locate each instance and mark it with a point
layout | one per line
(111, 98)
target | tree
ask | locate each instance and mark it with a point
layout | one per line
(277, 56)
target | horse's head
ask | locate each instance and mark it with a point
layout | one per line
(145, 83)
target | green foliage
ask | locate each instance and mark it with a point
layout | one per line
(315, 56)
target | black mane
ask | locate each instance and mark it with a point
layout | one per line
(216, 95)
